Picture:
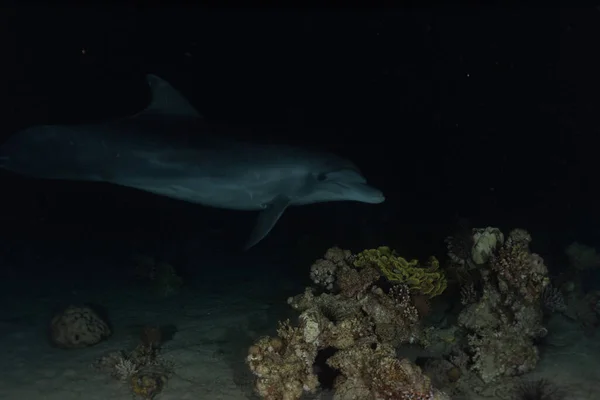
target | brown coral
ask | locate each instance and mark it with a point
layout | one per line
(351, 281)
(518, 268)
(372, 371)
(395, 318)
(505, 319)
(151, 336)
(325, 270)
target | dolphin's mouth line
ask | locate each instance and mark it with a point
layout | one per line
(354, 185)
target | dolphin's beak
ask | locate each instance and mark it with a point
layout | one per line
(365, 193)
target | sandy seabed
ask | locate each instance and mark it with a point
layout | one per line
(217, 318)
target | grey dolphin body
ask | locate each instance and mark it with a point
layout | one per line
(161, 151)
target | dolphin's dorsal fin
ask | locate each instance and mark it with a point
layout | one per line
(166, 100)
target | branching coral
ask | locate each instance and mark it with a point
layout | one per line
(428, 280)
(125, 368)
(117, 364)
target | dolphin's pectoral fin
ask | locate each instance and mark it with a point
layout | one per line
(267, 220)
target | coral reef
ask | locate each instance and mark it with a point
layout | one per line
(428, 280)
(354, 318)
(501, 325)
(143, 369)
(78, 326)
(364, 307)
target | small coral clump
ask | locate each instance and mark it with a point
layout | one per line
(118, 364)
(148, 384)
(78, 326)
(143, 368)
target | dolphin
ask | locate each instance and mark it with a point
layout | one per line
(166, 149)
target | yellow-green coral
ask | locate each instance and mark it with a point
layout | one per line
(427, 280)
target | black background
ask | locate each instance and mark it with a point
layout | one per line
(488, 114)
